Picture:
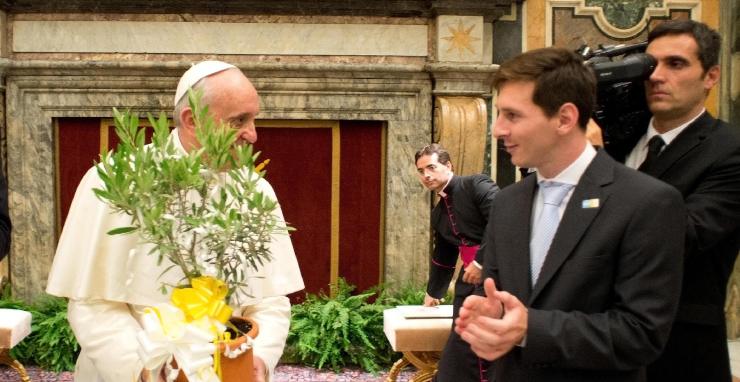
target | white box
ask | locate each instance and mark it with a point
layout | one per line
(15, 325)
(418, 328)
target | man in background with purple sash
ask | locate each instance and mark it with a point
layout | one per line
(459, 220)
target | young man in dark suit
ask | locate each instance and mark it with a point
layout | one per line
(458, 219)
(699, 156)
(585, 254)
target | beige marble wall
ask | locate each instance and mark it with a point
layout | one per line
(220, 38)
(5, 263)
(37, 92)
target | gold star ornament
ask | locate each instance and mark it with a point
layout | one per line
(460, 38)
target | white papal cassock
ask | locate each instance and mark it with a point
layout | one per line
(109, 280)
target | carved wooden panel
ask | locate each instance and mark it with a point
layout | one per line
(460, 126)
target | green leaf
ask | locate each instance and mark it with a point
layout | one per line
(122, 230)
(178, 201)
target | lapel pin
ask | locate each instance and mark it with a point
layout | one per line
(590, 203)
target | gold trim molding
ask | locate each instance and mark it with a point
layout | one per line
(597, 13)
(511, 16)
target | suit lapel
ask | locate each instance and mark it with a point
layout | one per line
(686, 141)
(514, 239)
(579, 213)
(440, 210)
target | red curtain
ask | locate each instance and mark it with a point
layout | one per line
(78, 148)
(300, 171)
(360, 203)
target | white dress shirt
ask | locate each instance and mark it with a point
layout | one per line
(639, 152)
(571, 175)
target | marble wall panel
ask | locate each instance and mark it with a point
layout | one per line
(570, 31)
(32, 104)
(223, 18)
(37, 92)
(220, 38)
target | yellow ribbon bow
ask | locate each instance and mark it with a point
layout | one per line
(206, 297)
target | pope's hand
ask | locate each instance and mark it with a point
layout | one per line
(260, 370)
(146, 376)
(494, 324)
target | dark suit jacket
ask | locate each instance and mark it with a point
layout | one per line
(471, 197)
(608, 290)
(703, 163)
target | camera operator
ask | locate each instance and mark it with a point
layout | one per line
(700, 156)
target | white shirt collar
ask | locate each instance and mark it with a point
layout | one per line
(442, 193)
(572, 174)
(638, 154)
(669, 135)
(175, 137)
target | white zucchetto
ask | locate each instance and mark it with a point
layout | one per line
(196, 73)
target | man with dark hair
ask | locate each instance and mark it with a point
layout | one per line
(458, 219)
(581, 277)
(699, 155)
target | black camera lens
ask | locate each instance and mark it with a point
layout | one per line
(636, 66)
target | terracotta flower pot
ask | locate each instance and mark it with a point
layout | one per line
(241, 368)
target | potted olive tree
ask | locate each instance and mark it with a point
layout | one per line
(203, 215)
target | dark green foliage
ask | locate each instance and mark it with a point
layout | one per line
(51, 344)
(326, 332)
(407, 295)
(337, 332)
(345, 330)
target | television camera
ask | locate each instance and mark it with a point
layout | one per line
(621, 109)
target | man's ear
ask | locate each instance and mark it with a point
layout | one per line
(711, 77)
(186, 119)
(567, 118)
(187, 129)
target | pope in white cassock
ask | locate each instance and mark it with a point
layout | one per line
(109, 280)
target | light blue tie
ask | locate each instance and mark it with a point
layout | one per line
(545, 227)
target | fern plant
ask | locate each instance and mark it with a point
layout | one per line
(346, 330)
(335, 332)
(51, 344)
(406, 295)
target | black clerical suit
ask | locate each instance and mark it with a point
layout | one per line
(703, 163)
(608, 290)
(469, 199)
(5, 226)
